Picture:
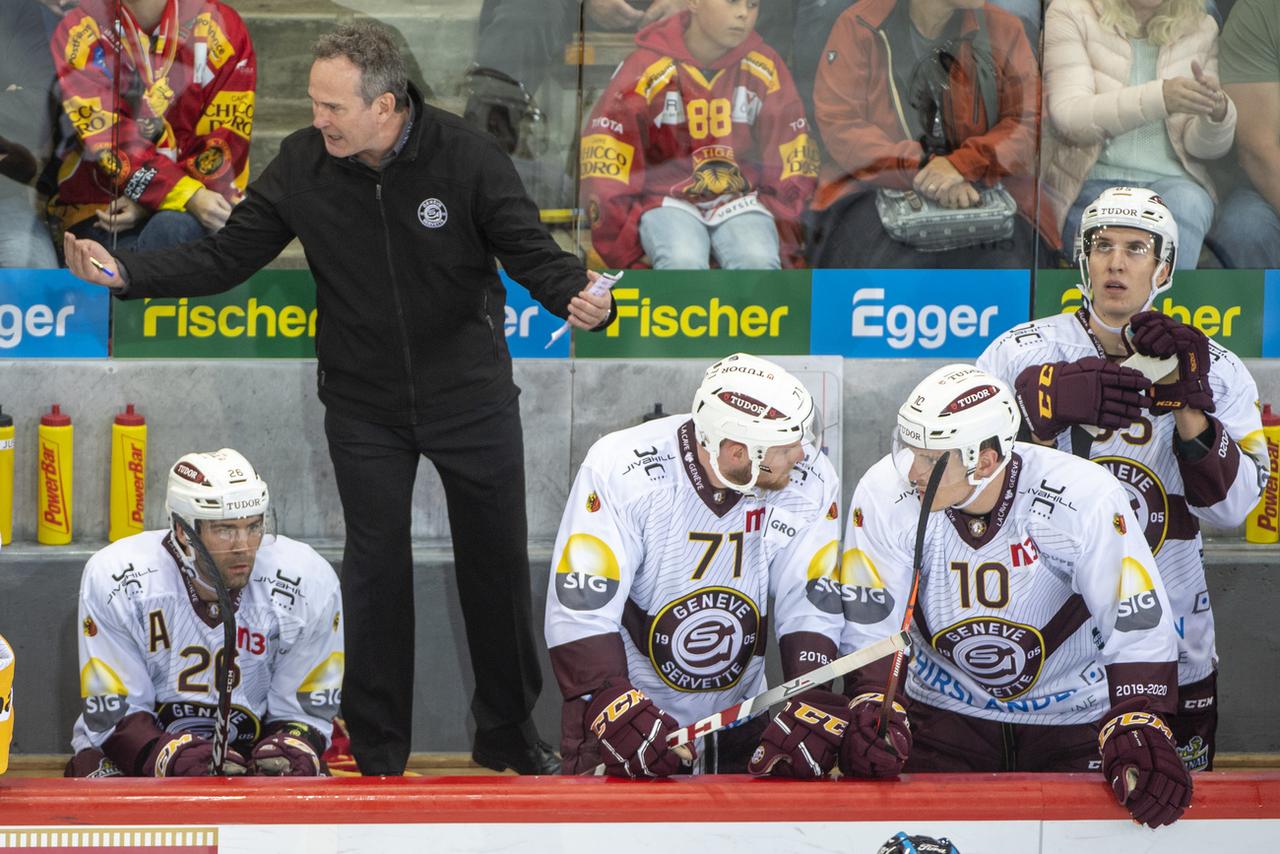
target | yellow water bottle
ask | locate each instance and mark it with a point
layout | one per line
(53, 468)
(1263, 524)
(6, 479)
(128, 474)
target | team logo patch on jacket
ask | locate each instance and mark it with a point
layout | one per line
(432, 213)
(593, 503)
(715, 172)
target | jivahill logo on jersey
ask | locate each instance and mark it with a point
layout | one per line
(1138, 607)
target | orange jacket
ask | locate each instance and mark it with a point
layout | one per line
(859, 109)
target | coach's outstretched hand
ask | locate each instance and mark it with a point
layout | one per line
(864, 752)
(633, 732)
(190, 755)
(803, 740)
(1142, 765)
(81, 255)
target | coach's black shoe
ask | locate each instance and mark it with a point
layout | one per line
(538, 758)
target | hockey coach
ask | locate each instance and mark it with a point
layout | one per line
(402, 209)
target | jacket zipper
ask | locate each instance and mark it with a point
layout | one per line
(493, 332)
(893, 87)
(395, 293)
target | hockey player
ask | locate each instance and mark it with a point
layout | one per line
(677, 534)
(1195, 454)
(1040, 615)
(151, 637)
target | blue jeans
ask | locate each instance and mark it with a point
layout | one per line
(1247, 234)
(677, 240)
(1191, 204)
(24, 240)
(161, 230)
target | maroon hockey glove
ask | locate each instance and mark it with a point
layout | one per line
(286, 753)
(632, 732)
(863, 752)
(1142, 765)
(1089, 391)
(1156, 334)
(803, 740)
(190, 755)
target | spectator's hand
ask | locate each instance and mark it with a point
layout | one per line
(1184, 95)
(937, 176)
(1211, 83)
(121, 215)
(78, 252)
(588, 310)
(613, 14)
(660, 9)
(209, 208)
(962, 195)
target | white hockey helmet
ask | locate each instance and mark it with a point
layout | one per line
(957, 408)
(751, 400)
(1130, 207)
(213, 485)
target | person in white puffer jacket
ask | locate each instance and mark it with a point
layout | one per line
(1132, 98)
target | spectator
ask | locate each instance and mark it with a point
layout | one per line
(936, 97)
(1133, 99)
(162, 116)
(698, 147)
(26, 78)
(1248, 231)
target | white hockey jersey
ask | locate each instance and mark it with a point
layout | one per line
(648, 550)
(1025, 618)
(148, 644)
(1170, 495)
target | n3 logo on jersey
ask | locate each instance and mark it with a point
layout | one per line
(705, 640)
(1138, 607)
(1004, 657)
(587, 575)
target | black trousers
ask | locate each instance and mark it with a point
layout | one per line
(480, 459)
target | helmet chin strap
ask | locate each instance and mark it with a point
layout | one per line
(748, 488)
(188, 565)
(980, 484)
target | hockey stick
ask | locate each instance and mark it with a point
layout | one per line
(917, 564)
(892, 645)
(740, 712)
(224, 670)
(1154, 368)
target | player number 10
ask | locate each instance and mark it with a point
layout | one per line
(982, 583)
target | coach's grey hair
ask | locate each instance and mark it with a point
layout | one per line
(370, 48)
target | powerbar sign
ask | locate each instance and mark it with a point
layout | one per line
(900, 313)
(48, 314)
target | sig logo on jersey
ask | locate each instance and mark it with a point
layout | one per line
(1004, 657)
(320, 693)
(704, 641)
(865, 599)
(1139, 607)
(1147, 497)
(103, 695)
(823, 588)
(587, 574)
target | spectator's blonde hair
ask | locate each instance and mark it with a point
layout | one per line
(1173, 19)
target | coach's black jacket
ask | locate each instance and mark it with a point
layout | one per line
(410, 308)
